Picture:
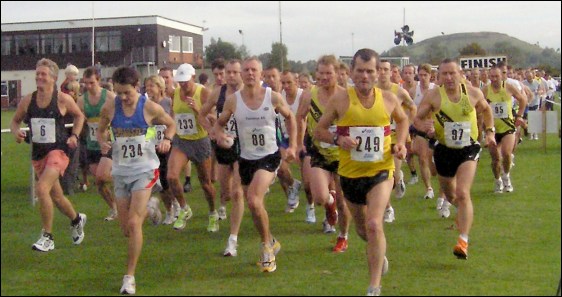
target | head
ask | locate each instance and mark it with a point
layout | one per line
(218, 71)
(232, 73)
(364, 69)
(289, 82)
(185, 76)
(305, 81)
(484, 77)
(424, 74)
(449, 74)
(434, 77)
(495, 77)
(503, 68)
(343, 75)
(326, 71)
(395, 76)
(272, 78)
(409, 73)
(167, 74)
(71, 72)
(126, 81)
(91, 79)
(252, 69)
(203, 78)
(384, 71)
(46, 73)
(155, 86)
(73, 89)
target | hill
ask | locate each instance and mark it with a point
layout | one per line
(519, 53)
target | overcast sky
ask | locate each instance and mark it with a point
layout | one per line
(311, 29)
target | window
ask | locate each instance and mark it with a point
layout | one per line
(114, 41)
(187, 44)
(27, 45)
(79, 42)
(4, 88)
(7, 45)
(53, 43)
(174, 43)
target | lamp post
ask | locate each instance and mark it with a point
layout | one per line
(203, 45)
(242, 34)
(352, 45)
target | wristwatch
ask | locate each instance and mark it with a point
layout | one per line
(335, 139)
(492, 129)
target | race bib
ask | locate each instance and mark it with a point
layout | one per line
(230, 128)
(260, 139)
(131, 150)
(370, 144)
(499, 109)
(159, 133)
(457, 134)
(186, 124)
(332, 130)
(93, 130)
(43, 130)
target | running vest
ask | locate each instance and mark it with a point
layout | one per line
(455, 123)
(187, 126)
(92, 119)
(370, 127)
(256, 128)
(501, 105)
(328, 150)
(231, 129)
(419, 94)
(166, 104)
(294, 107)
(134, 147)
(46, 126)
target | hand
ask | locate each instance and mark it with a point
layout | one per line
(400, 151)
(519, 122)
(347, 143)
(105, 147)
(191, 102)
(164, 146)
(290, 154)
(19, 135)
(72, 141)
(491, 139)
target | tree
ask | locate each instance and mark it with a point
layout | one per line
(220, 49)
(473, 49)
(278, 56)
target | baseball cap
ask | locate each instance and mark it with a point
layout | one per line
(184, 73)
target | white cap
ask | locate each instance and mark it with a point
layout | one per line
(71, 69)
(184, 73)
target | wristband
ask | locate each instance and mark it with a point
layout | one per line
(75, 135)
(167, 138)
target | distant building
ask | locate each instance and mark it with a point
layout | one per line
(144, 42)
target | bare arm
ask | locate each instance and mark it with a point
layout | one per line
(283, 108)
(227, 111)
(408, 104)
(106, 116)
(331, 113)
(19, 116)
(483, 108)
(206, 108)
(429, 105)
(157, 115)
(302, 112)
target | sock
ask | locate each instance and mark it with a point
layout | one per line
(343, 235)
(311, 206)
(233, 237)
(330, 200)
(76, 220)
(188, 179)
(464, 237)
(413, 173)
(49, 235)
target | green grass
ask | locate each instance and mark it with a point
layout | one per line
(514, 250)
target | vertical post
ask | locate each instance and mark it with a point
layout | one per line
(281, 36)
(352, 45)
(93, 37)
(404, 24)
(543, 113)
(32, 183)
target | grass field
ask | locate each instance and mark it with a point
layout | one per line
(514, 243)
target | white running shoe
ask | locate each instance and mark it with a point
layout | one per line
(111, 215)
(507, 186)
(154, 212)
(310, 214)
(44, 244)
(439, 203)
(445, 211)
(372, 291)
(413, 180)
(293, 196)
(78, 229)
(176, 209)
(498, 189)
(429, 194)
(230, 250)
(222, 213)
(327, 228)
(389, 215)
(129, 286)
(170, 219)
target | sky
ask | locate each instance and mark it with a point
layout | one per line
(312, 29)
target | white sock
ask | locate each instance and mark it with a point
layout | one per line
(330, 199)
(233, 237)
(343, 235)
(464, 237)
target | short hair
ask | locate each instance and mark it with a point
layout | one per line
(218, 64)
(254, 58)
(292, 74)
(447, 61)
(366, 54)
(53, 67)
(92, 71)
(203, 78)
(166, 68)
(344, 66)
(328, 60)
(158, 81)
(426, 67)
(125, 76)
(305, 75)
(410, 65)
(234, 61)
(501, 64)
